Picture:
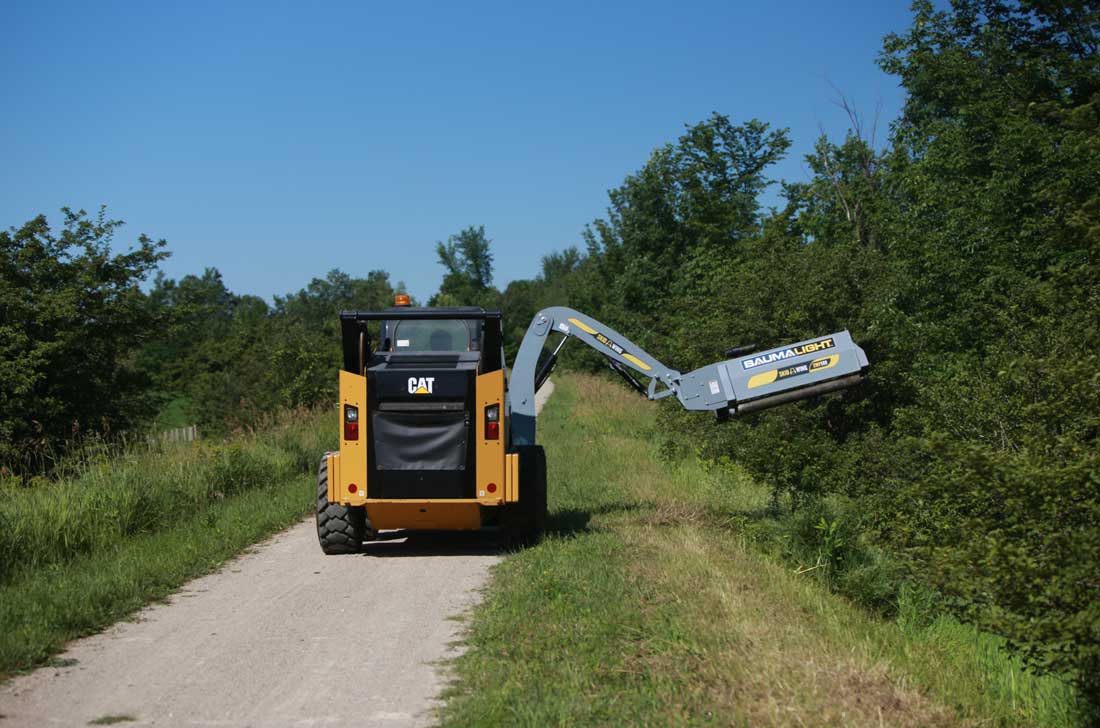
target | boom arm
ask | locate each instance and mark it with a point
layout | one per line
(744, 384)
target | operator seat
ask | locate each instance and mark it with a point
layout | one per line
(441, 340)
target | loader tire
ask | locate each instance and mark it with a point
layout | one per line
(529, 515)
(340, 529)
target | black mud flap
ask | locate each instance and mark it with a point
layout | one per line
(419, 440)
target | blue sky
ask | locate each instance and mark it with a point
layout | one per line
(276, 141)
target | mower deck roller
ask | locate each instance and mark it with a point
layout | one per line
(434, 437)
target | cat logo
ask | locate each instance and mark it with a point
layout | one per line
(421, 385)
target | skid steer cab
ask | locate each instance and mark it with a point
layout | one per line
(433, 436)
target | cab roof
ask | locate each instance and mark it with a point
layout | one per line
(353, 325)
(422, 312)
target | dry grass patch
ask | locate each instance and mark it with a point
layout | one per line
(761, 650)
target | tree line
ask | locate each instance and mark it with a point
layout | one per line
(86, 352)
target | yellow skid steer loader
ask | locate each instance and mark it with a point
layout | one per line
(434, 436)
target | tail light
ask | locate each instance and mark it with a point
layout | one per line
(351, 422)
(492, 422)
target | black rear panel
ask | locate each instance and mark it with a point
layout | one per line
(421, 431)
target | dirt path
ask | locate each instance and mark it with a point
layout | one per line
(283, 636)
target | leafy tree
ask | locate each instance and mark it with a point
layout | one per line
(469, 270)
(522, 299)
(231, 359)
(191, 310)
(71, 317)
(319, 302)
(673, 229)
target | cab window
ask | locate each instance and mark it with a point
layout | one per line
(437, 335)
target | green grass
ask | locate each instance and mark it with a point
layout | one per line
(652, 603)
(81, 553)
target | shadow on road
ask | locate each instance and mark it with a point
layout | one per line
(435, 543)
(563, 523)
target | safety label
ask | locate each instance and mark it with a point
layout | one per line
(759, 380)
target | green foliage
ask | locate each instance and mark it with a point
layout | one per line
(233, 360)
(522, 299)
(85, 354)
(469, 270)
(672, 226)
(316, 304)
(110, 495)
(997, 249)
(71, 318)
(964, 258)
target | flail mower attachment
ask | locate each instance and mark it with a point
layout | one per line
(747, 382)
(759, 380)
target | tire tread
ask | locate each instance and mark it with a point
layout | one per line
(340, 529)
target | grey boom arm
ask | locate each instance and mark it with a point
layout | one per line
(748, 383)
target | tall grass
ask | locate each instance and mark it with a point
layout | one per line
(680, 593)
(129, 523)
(823, 542)
(147, 487)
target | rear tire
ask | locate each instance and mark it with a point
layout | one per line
(528, 518)
(340, 529)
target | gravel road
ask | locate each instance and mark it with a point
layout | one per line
(282, 636)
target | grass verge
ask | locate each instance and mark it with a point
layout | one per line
(650, 604)
(82, 553)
